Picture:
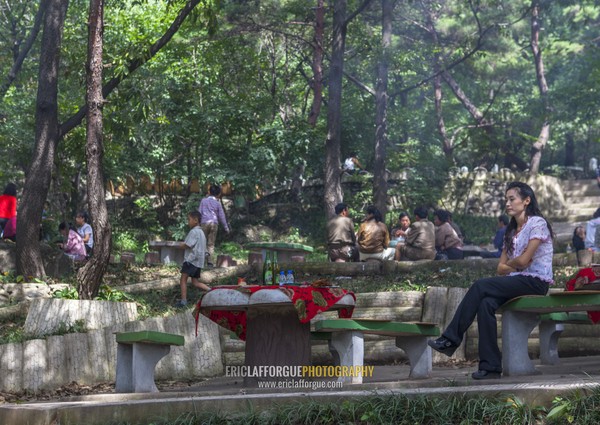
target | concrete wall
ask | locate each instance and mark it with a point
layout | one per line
(89, 358)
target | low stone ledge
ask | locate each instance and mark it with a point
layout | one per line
(47, 315)
(11, 293)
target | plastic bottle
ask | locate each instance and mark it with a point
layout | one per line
(290, 277)
(282, 279)
(569, 249)
(267, 270)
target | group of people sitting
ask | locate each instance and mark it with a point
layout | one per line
(78, 241)
(420, 240)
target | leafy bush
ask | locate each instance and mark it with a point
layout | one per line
(67, 293)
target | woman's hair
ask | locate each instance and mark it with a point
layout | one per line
(524, 191)
(84, 215)
(372, 209)
(10, 189)
(442, 215)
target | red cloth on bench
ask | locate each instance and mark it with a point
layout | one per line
(308, 301)
(585, 276)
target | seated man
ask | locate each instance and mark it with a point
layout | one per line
(352, 165)
(373, 237)
(420, 239)
(341, 239)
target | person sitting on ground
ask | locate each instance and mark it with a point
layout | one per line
(341, 239)
(193, 257)
(212, 213)
(525, 268)
(399, 233)
(498, 238)
(352, 165)
(8, 204)
(419, 242)
(447, 243)
(74, 247)
(579, 238)
(373, 237)
(10, 230)
(82, 219)
(591, 240)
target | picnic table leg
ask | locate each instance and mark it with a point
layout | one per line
(275, 337)
(549, 333)
(516, 327)
(348, 349)
(419, 355)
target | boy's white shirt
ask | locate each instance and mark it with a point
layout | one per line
(195, 251)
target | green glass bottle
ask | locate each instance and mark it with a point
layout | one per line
(267, 270)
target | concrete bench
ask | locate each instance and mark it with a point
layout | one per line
(169, 251)
(520, 315)
(137, 356)
(346, 342)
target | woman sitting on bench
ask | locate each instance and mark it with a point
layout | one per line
(525, 268)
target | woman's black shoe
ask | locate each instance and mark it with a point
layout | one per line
(485, 374)
(443, 345)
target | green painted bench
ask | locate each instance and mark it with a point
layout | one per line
(285, 251)
(520, 315)
(346, 342)
(137, 356)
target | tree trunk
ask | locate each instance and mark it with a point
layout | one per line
(381, 99)
(544, 136)
(90, 276)
(332, 187)
(37, 182)
(317, 64)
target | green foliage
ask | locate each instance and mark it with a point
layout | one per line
(67, 293)
(106, 293)
(234, 249)
(76, 327)
(476, 230)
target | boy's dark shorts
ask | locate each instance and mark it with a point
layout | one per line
(190, 270)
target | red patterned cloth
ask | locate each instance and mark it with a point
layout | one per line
(584, 277)
(308, 301)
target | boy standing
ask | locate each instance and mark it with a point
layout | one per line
(193, 260)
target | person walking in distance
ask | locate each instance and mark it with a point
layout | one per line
(212, 214)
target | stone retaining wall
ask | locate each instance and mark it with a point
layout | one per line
(90, 358)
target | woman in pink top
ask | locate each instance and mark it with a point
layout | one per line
(8, 204)
(525, 268)
(74, 246)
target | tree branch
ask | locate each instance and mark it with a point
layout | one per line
(18, 63)
(76, 119)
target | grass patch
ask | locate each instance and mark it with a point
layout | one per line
(577, 407)
(396, 409)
